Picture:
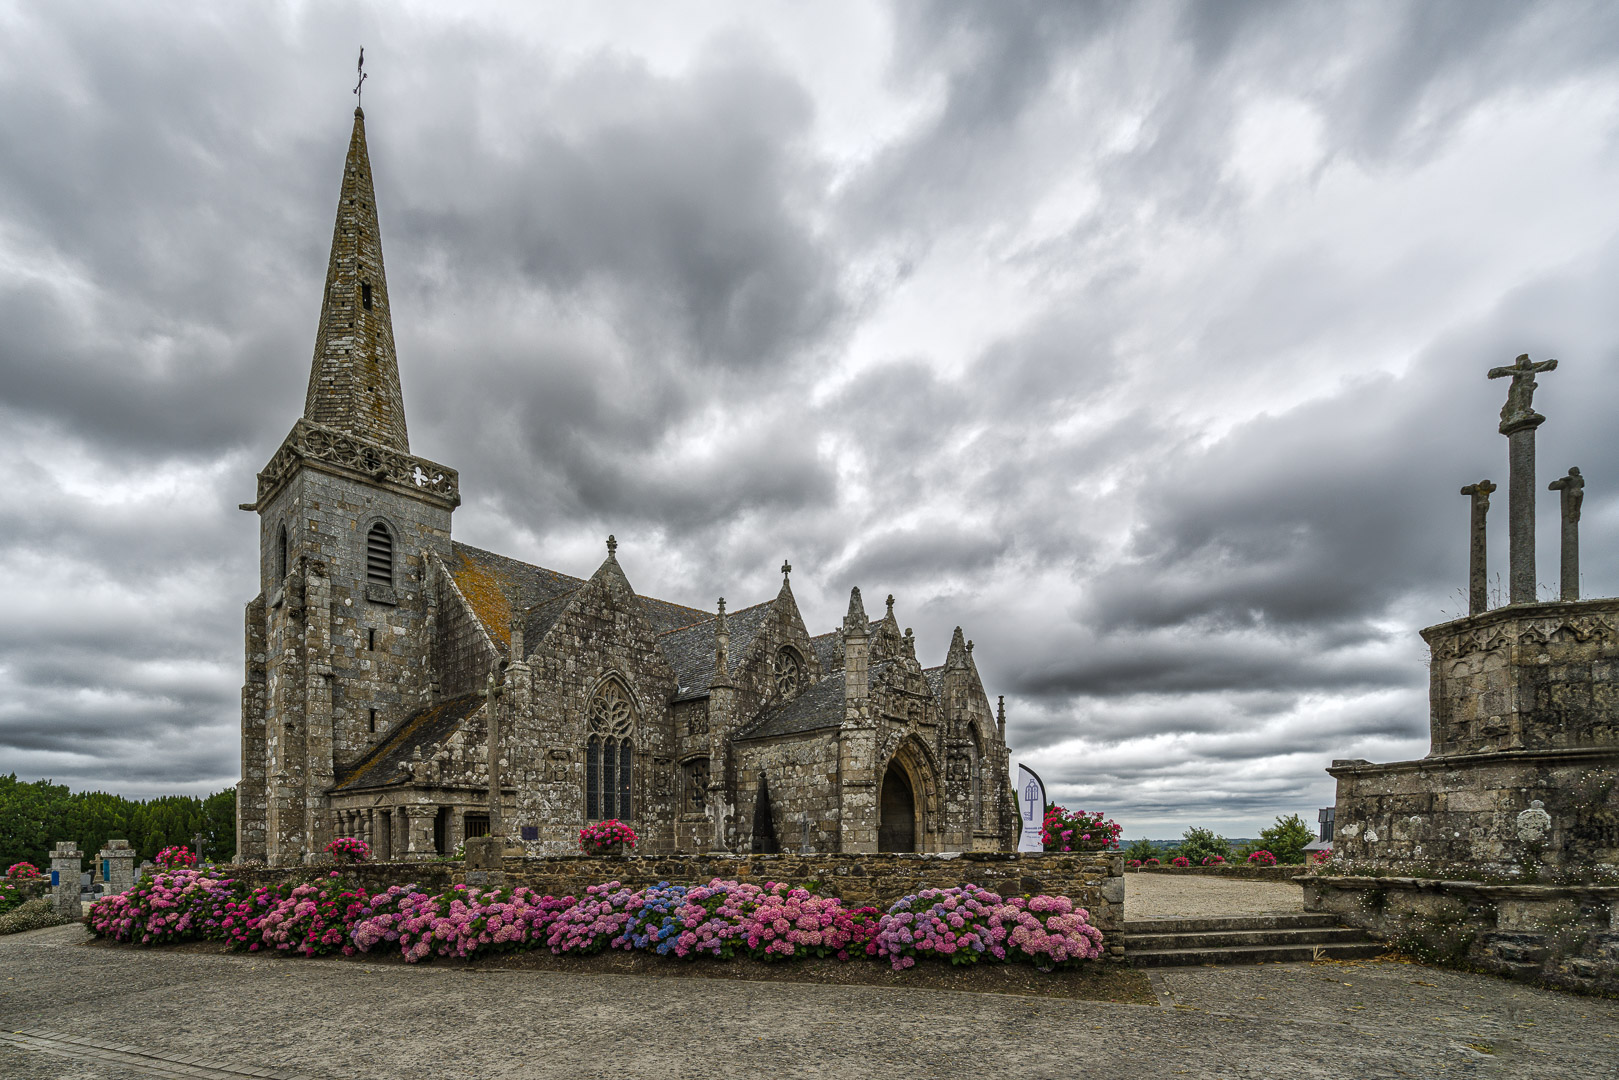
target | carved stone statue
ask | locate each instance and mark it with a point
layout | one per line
(1572, 488)
(1519, 409)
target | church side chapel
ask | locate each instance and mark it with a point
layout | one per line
(383, 658)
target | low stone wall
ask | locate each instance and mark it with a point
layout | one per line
(1555, 935)
(1094, 881)
(1232, 871)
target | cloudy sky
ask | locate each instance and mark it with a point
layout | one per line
(1145, 341)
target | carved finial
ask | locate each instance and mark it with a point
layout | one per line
(890, 603)
(969, 646)
(786, 568)
(612, 546)
(360, 84)
(722, 609)
(855, 605)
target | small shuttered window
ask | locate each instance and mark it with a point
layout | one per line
(379, 555)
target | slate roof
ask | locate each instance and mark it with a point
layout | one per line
(828, 650)
(817, 707)
(690, 649)
(496, 586)
(427, 729)
(935, 678)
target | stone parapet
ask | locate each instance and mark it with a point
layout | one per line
(1552, 935)
(1525, 677)
(1509, 812)
(1231, 872)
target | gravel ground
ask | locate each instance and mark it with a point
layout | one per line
(316, 1018)
(1148, 896)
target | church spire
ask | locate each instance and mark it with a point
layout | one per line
(354, 380)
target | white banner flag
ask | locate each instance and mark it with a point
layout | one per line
(1031, 806)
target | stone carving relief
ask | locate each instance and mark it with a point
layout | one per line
(1534, 824)
(314, 442)
(556, 767)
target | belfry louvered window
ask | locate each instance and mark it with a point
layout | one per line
(609, 754)
(379, 555)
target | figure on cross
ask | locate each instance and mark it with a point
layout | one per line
(1519, 409)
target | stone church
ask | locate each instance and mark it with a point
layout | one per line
(381, 653)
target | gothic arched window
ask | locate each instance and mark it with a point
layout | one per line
(789, 673)
(379, 556)
(609, 754)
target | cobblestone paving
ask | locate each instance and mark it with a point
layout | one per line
(1148, 896)
(320, 1018)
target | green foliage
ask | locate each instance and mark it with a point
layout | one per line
(1141, 849)
(31, 915)
(1198, 844)
(1286, 839)
(34, 816)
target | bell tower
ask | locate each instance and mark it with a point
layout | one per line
(339, 639)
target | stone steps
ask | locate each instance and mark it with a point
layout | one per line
(1250, 939)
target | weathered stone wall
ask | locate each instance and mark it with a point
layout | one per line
(1551, 935)
(1479, 811)
(1526, 677)
(601, 634)
(803, 772)
(1095, 882)
(336, 648)
(251, 792)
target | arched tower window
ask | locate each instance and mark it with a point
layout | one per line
(609, 754)
(789, 673)
(281, 553)
(379, 556)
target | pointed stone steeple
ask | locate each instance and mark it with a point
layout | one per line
(354, 380)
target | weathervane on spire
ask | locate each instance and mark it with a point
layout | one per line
(360, 67)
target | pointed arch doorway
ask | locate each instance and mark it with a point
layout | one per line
(896, 822)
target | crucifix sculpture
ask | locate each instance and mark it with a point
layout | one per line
(1477, 600)
(1572, 488)
(1518, 422)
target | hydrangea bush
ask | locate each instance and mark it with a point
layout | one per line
(174, 905)
(22, 871)
(966, 924)
(721, 919)
(1213, 860)
(606, 837)
(1261, 858)
(1180, 860)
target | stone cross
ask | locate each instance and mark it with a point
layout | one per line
(1518, 422)
(786, 569)
(1572, 488)
(360, 82)
(1477, 600)
(612, 546)
(492, 691)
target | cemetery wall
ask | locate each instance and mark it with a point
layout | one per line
(1231, 871)
(1565, 936)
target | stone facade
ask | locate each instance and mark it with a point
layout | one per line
(380, 653)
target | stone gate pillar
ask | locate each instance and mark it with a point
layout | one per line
(117, 866)
(66, 865)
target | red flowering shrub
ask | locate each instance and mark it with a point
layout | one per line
(606, 837)
(173, 858)
(22, 871)
(1133, 863)
(1078, 830)
(1213, 860)
(1180, 860)
(1152, 862)
(346, 849)
(1261, 858)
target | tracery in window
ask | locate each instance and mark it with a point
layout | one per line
(609, 754)
(788, 673)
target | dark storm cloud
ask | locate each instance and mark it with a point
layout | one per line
(1189, 479)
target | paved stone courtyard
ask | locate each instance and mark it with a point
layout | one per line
(166, 1013)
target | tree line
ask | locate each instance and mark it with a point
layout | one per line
(35, 815)
(1285, 840)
